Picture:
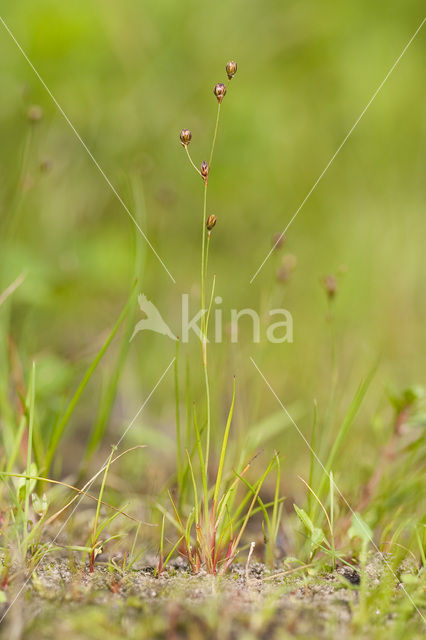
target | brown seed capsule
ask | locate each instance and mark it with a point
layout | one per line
(45, 165)
(288, 264)
(278, 241)
(185, 137)
(231, 69)
(35, 113)
(204, 170)
(330, 286)
(211, 221)
(219, 91)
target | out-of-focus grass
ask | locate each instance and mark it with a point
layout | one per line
(129, 77)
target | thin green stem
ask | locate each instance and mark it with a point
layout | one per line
(210, 303)
(312, 462)
(13, 222)
(207, 385)
(223, 451)
(132, 550)
(206, 375)
(191, 161)
(207, 262)
(275, 520)
(194, 486)
(214, 134)
(101, 493)
(178, 431)
(204, 261)
(172, 550)
(204, 249)
(247, 517)
(203, 257)
(29, 444)
(333, 550)
(203, 467)
(163, 524)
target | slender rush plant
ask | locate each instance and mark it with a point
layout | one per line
(218, 518)
(209, 222)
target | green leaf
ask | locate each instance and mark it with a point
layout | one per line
(40, 504)
(304, 518)
(317, 535)
(21, 484)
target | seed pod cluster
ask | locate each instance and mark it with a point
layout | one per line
(219, 91)
(186, 136)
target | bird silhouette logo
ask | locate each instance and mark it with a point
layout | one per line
(153, 321)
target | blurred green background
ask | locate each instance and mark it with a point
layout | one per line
(129, 76)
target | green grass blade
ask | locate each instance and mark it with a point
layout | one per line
(202, 467)
(249, 512)
(108, 399)
(349, 418)
(224, 446)
(106, 523)
(163, 525)
(342, 433)
(178, 431)
(135, 193)
(275, 518)
(172, 550)
(313, 444)
(29, 442)
(194, 485)
(11, 459)
(101, 493)
(61, 425)
(253, 491)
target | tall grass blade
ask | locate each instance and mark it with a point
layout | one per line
(61, 425)
(29, 443)
(343, 431)
(224, 446)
